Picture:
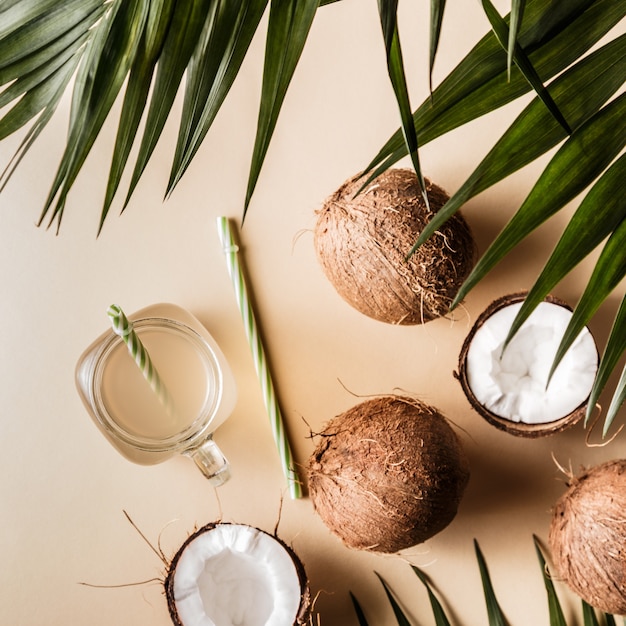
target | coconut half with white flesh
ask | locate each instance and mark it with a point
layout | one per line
(236, 575)
(509, 387)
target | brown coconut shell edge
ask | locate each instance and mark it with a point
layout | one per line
(305, 608)
(519, 429)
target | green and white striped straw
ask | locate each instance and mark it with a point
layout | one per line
(123, 327)
(231, 249)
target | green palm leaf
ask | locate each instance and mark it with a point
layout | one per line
(388, 10)
(437, 8)
(517, 12)
(494, 612)
(397, 611)
(137, 90)
(607, 274)
(438, 612)
(358, 610)
(287, 31)
(554, 606)
(97, 86)
(599, 214)
(589, 615)
(619, 396)
(211, 73)
(503, 35)
(577, 163)
(553, 36)
(187, 22)
(580, 91)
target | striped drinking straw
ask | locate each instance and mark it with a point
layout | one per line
(230, 249)
(123, 327)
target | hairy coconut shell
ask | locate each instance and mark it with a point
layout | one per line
(588, 536)
(519, 429)
(305, 607)
(362, 245)
(387, 474)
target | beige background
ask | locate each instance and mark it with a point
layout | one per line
(63, 489)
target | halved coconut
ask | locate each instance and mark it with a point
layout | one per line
(510, 388)
(234, 574)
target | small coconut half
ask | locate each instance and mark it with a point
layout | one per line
(236, 575)
(510, 388)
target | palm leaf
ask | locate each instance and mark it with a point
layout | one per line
(437, 8)
(577, 163)
(397, 611)
(580, 91)
(438, 612)
(56, 92)
(600, 213)
(388, 10)
(97, 86)
(609, 270)
(517, 12)
(554, 606)
(358, 610)
(494, 612)
(211, 73)
(183, 33)
(137, 90)
(589, 615)
(553, 36)
(287, 31)
(619, 396)
(613, 351)
(502, 33)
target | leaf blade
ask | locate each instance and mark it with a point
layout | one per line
(439, 614)
(520, 58)
(494, 612)
(598, 215)
(288, 29)
(576, 164)
(609, 270)
(557, 618)
(581, 90)
(388, 10)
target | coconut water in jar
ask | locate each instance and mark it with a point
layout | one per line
(136, 421)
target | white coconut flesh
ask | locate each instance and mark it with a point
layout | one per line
(236, 575)
(514, 384)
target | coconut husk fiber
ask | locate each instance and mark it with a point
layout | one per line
(387, 474)
(362, 244)
(588, 536)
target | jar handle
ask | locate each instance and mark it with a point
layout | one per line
(211, 462)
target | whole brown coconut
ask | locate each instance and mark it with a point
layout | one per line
(387, 474)
(588, 536)
(362, 244)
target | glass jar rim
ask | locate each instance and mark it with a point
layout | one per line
(198, 428)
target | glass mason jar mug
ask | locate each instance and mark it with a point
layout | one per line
(134, 418)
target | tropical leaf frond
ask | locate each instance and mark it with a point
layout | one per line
(608, 272)
(495, 615)
(287, 32)
(580, 92)
(437, 8)
(518, 55)
(211, 73)
(179, 42)
(553, 37)
(557, 618)
(388, 10)
(441, 619)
